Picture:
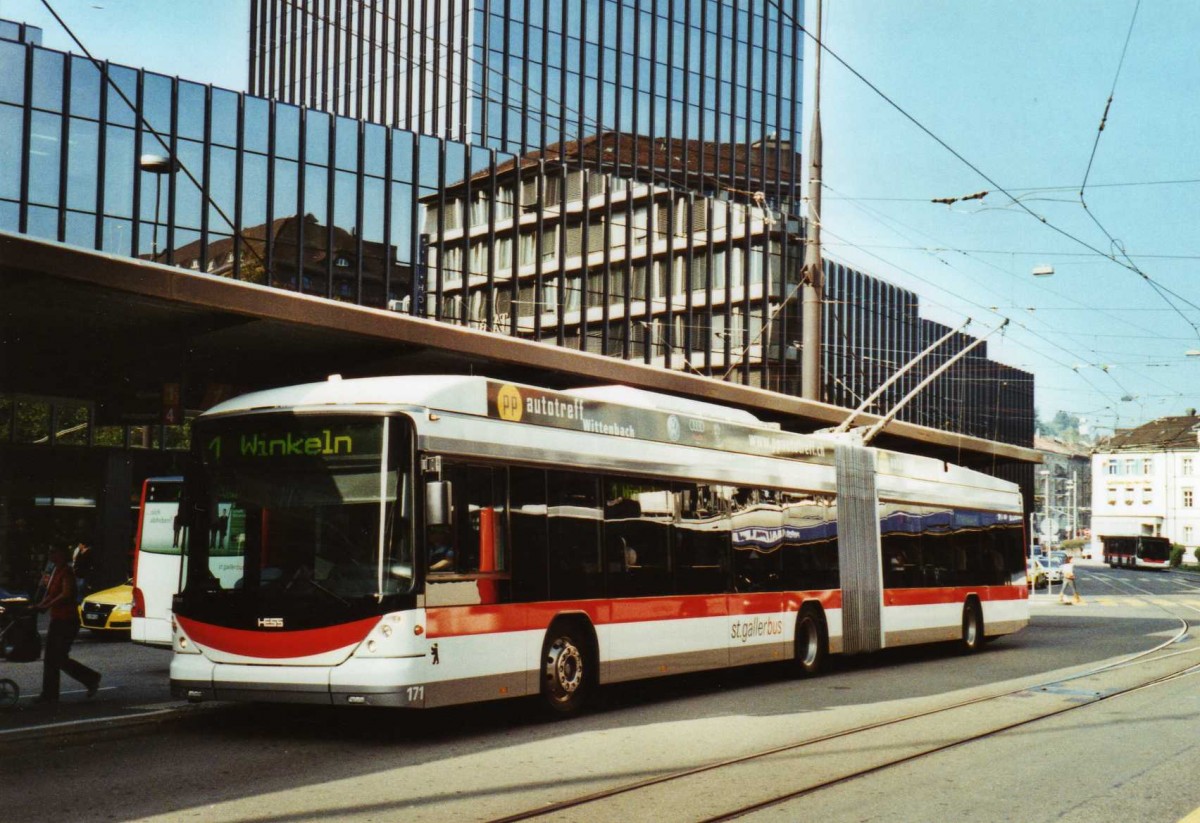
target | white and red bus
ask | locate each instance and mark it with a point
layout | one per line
(425, 541)
(156, 560)
(1136, 551)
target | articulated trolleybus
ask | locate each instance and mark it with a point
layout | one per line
(426, 541)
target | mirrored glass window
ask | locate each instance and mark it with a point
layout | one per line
(224, 117)
(47, 80)
(316, 137)
(45, 143)
(347, 144)
(374, 148)
(12, 72)
(122, 95)
(11, 119)
(81, 164)
(85, 88)
(222, 179)
(81, 229)
(156, 108)
(258, 113)
(286, 190)
(118, 236)
(43, 222)
(287, 131)
(119, 168)
(191, 110)
(402, 156)
(10, 215)
(187, 194)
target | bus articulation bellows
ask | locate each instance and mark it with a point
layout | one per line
(425, 541)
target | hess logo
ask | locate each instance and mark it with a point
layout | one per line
(508, 404)
(270, 622)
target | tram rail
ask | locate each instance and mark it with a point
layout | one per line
(886, 743)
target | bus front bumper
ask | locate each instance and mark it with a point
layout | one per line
(196, 679)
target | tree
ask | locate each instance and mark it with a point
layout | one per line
(1063, 426)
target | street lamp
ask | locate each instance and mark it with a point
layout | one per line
(1045, 524)
(1043, 271)
(158, 165)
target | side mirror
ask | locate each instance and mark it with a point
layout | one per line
(437, 503)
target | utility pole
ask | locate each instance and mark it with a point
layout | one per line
(814, 276)
(1074, 504)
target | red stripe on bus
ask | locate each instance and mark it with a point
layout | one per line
(275, 644)
(930, 597)
(453, 621)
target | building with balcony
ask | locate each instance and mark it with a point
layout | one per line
(1146, 481)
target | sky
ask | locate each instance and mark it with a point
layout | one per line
(970, 96)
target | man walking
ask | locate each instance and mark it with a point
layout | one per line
(64, 625)
(81, 563)
(1068, 571)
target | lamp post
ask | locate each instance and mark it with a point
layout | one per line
(1073, 502)
(1044, 529)
(158, 165)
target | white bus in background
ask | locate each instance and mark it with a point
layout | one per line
(161, 539)
(157, 551)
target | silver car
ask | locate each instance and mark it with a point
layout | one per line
(1054, 571)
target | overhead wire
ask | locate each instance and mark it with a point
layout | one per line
(1162, 291)
(1124, 263)
(871, 212)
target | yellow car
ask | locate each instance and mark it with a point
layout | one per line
(108, 610)
(1035, 574)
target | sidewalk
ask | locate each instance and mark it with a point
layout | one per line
(134, 689)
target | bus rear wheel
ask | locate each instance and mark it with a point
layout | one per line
(568, 669)
(812, 643)
(972, 628)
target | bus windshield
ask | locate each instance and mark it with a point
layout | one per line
(305, 510)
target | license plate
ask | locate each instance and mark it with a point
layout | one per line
(91, 616)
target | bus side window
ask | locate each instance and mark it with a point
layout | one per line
(810, 552)
(573, 515)
(757, 522)
(637, 518)
(527, 524)
(701, 539)
(474, 539)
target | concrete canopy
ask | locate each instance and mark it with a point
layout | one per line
(84, 324)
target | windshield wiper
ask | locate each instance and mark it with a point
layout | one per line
(299, 576)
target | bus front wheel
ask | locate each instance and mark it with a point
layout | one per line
(568, 669)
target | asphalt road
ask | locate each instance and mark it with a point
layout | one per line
(1130, 759)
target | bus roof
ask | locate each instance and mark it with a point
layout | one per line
(619, 411)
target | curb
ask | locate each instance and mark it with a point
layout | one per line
(98, 725)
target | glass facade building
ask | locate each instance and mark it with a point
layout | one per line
(616, 177)
(708, 85)
(680, 250)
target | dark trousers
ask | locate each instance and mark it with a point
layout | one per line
(59, 638)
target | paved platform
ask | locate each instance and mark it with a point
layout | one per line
(134, 689)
